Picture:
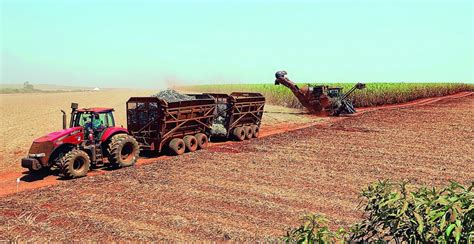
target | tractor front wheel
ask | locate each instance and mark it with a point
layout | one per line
(123, 151)
(74, 164)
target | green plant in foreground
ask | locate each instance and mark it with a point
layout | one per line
(315, 230)
(395, 213)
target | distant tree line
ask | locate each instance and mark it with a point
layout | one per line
(27, 88)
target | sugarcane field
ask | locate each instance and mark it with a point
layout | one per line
(204, 121)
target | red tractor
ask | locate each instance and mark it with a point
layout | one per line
(91, 140)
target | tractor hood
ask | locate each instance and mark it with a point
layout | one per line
(43, 147)
(54, 136)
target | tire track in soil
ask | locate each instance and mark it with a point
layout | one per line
(8, 180)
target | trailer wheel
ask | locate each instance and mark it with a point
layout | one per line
(177, 146)
(202, 140)
(123, 151)
(255, 130)
(248, 132)
(191, 143)
(239, 133)
(74, 164)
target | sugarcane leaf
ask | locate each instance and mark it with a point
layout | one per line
(442, 223)
(450, 229)
(457, 233)
(434, 215)
(419, 220)
(443, 201)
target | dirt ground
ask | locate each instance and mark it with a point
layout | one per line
(255, 189)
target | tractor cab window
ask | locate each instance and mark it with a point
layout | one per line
(86, 119)
(82, 119)
(109, 119)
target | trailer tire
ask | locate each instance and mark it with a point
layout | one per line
(255, 130)
(248, 132)
(177, 146)
(123, 151)
(74, 164)
(191, 143)
(202, 140)
(239, 133)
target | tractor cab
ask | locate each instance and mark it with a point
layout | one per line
(95, 121)
(93, 118)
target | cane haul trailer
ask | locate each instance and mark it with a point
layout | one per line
(177, 127)
(241, 113)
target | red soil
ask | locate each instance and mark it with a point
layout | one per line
(8, 180)
(252, 190)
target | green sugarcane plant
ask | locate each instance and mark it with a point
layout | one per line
(397, 212)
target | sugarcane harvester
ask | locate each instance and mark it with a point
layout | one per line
(320, 99)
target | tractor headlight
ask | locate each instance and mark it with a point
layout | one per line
(36, 155)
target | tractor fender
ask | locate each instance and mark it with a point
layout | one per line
(109, 132)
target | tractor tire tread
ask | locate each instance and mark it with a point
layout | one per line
(114, 150)
(66, 168)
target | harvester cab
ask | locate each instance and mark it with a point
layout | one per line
(91, 139)
(334, 92)
(320, 99)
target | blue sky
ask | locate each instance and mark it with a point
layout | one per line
(151, 43)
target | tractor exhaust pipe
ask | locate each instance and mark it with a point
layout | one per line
(64, 119)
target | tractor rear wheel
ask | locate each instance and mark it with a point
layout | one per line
(118, 136)
(191, 143)
(239, 133)
(177, 146)
(255, 130)
(202, 140)
(74, 164)
(123, 151)
(248, 132)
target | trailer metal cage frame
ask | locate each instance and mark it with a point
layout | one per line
(243, 109)
(154, 122)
